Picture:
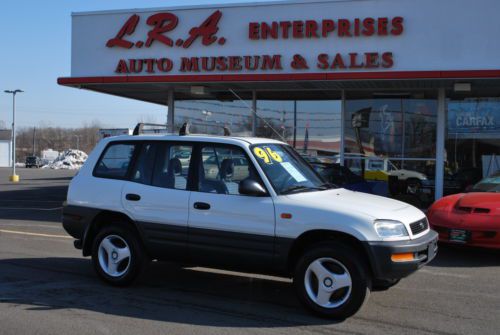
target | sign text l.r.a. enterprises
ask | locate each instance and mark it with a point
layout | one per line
(206, 34)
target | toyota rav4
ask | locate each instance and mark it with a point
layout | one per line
(243, 204)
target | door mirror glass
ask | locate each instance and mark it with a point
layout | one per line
(251, 187)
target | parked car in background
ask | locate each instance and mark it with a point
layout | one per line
(310, 159)
(33, 161)
(374, 168)
(382, 169)
(471, 218)
(343, 177)
(454, 183)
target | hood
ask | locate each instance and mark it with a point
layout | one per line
(480, 200)
(356, 204)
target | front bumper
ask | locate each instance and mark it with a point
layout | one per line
(481, 237)
(424, 249)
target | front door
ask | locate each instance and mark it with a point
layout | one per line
(157, 197)
(225, 227)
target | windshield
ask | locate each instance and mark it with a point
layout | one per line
(286, 170)
(490, 184)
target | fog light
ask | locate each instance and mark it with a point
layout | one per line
(405, 257)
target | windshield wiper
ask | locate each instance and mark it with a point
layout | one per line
(327, 186)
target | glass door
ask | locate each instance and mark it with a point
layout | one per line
(390, 140)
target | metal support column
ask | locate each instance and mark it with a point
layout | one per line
(342, 128)
(294, 123)
(171, 111)
(254, 113)
(440, 138)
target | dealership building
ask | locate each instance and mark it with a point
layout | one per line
(414, 85)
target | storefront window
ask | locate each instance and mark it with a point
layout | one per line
(211, 116)
(472, 142)
(313, 127)
(390, 141)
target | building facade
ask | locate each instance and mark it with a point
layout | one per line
(5, 147)
(377, 85)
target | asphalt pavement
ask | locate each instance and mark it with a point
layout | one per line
(47, 287)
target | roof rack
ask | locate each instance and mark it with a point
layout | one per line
(148, 128)
(153, 128)
(184, 129)
(186, 125)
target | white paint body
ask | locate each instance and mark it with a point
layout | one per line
(339, 210)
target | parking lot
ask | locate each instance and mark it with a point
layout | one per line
(46, 287)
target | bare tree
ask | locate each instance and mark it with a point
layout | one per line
(56, 138)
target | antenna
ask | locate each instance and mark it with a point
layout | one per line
(256, 115)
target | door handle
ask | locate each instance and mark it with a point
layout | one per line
(202, 206)
(133, 197)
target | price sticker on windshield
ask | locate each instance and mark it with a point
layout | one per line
(267, 155)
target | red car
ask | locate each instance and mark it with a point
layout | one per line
(471, 218)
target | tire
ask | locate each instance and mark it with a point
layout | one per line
(413, 186)
(335, 263)
(117, 241)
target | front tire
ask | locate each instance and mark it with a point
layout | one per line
(117, 255)
(331, 280)
(413, 186)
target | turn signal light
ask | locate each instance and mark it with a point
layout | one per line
(405, 257)
(286, 215)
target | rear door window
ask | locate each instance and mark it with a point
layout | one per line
(115, 161)
(143, 170)
(172, 166)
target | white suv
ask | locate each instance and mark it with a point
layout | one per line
(247, 204)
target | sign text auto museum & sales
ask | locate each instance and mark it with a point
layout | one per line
(162, 25)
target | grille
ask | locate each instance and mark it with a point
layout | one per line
(419, 226)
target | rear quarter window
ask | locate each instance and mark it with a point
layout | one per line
(115, 161)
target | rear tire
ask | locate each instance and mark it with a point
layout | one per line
(117, 255)
(331, 280)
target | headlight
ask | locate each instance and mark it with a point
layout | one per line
(390, 229)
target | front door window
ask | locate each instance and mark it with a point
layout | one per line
(222, 168)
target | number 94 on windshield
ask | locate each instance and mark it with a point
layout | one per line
(267, 155)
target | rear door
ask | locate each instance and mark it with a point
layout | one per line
(157, 197)
(225, 227)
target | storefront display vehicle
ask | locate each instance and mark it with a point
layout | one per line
(472, 218)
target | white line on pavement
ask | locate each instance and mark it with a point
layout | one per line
(32, 234)
(55, 226)
(31, 209)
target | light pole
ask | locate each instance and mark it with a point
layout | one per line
(14, 178)
(207, 115)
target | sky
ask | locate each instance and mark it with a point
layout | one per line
(36, 50)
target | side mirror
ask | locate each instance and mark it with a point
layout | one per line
(251, 187)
